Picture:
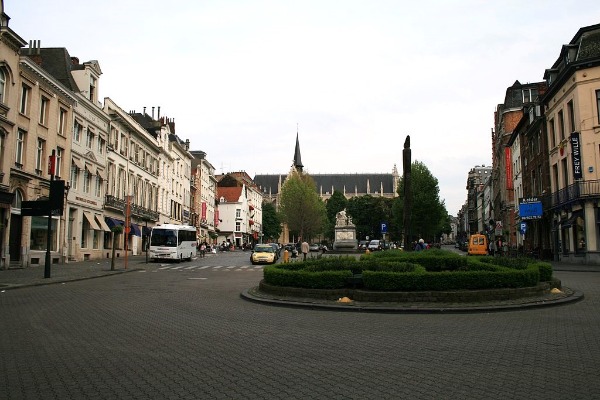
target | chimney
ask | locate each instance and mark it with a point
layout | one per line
(152, 112)
(144, 110)
(187, 144)
(158, 116)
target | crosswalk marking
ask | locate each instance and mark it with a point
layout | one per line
(251, 268)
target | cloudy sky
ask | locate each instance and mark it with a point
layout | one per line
(353, 78)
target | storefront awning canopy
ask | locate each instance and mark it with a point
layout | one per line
(135, 230)
(78, 163)
(90, 219)
(112, 222)
(102, 224)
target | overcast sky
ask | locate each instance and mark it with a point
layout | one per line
(353, 78)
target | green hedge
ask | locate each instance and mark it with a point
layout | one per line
(433, 270)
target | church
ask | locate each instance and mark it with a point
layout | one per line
(350, 184)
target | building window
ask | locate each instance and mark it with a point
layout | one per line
(39, 233)
(238, 213)
(74, 177)
(87, 181)
(89, 140)
(24, 104)
(98, 187)
(552, 133)
(2, 86)
(561, 125)
(59, 160)
(39, 157)
(62, 122)
(44, 103)
(92, 88)
(20, 150)
(101, 145)
(77, 129)
(238, 226)
(598, 104)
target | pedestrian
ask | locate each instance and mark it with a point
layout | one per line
(203, 249)
(420, 245)
(304, 248)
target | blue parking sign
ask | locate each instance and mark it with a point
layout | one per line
(384, 227)
(523, 227)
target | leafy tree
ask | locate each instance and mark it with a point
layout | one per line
(300, 206)
(336, 203)
(428, 215)
(368, 213)
(271, 221)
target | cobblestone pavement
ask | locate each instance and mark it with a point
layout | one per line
(186, 334)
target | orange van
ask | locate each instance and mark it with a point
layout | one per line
(478, 245)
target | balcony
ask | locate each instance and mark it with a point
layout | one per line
(578, 191)
(136, 211)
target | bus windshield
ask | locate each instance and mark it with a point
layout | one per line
(164, 237)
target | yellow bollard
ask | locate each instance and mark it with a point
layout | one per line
(286, 256)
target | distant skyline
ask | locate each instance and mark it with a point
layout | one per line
(353, 78)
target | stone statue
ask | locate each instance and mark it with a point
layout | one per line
(341, 219)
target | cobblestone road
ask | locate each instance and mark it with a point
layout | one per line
(186, 334)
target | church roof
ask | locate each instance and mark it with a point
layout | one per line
(326, 183)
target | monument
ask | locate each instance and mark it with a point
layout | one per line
(345, 233)
(407, 168)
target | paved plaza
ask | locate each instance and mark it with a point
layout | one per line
(155, 332)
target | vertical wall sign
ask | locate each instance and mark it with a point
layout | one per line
(576, 155)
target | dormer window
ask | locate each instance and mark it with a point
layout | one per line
(92, 88)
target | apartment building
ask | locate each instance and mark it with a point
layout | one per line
(572, 113)
(204, 197)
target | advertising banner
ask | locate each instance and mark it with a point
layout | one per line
(576, 155)
(509, 172)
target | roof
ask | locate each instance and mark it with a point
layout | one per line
(330, 182)
(57, 62)
(230, 194)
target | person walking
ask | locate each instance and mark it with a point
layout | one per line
(304, 248)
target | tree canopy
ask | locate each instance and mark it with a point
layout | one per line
(300, 206)
(271, 223)
(428, 215)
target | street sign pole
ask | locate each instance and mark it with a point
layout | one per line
(47, 265)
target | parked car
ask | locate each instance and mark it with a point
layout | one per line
(375, 245)
(314, 247)
(363, 244)
(263, 254)
(277, 250)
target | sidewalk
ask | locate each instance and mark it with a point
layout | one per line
(32, 276)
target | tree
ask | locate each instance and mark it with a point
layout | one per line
(117, 229)
(336, 203)
(271, 223)
(428, 214)
(368, 213)
(300, 206)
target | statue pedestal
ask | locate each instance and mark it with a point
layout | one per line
(345, 238)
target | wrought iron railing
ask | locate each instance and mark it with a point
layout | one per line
(583, 190)
(137, 211)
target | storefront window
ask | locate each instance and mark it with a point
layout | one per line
(579, 232)
(39, 237)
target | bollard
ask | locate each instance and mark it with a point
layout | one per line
(286, 256)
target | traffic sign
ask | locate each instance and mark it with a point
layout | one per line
(384, 227)
(523, 227)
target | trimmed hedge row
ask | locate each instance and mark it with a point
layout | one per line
(435, 270)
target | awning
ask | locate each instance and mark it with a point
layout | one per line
(90, 219)
(102, 224)
(78, 163)
(91, 169)
(135, 230)
(112, 222)
(101, 174)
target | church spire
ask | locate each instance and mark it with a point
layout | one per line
(297, 159)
